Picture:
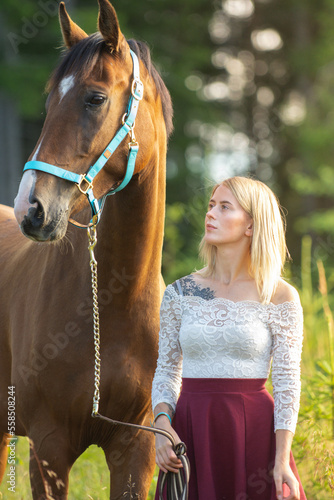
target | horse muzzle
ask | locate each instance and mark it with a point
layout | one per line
(39, 220)
(35, 226)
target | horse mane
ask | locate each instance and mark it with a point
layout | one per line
(85, 56)
(142, 51)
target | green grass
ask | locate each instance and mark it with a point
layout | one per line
(89, 478)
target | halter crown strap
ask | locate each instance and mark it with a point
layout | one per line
(85, 181)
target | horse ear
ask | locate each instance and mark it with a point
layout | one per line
(109, 27)
(72, 33)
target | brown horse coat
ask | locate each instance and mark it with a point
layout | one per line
(46, 330)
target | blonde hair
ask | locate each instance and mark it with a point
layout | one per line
(268, 249)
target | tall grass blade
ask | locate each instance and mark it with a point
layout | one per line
(330, 326)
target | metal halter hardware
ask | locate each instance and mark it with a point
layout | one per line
(85, 181)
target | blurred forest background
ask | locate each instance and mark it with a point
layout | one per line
(252, 85)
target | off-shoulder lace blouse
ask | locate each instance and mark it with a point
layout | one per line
(218, 338)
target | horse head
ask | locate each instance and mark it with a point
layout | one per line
(88, 96)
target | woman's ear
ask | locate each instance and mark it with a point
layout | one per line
(249, 230)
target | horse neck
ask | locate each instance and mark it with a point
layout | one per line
(130, 234)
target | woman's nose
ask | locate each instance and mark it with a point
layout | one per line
(210, 213)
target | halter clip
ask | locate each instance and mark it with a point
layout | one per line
(85, 189)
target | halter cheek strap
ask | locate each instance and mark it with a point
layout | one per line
(85, 181)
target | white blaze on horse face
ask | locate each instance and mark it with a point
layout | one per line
(21, 202)
(34, 158)
(65, 85)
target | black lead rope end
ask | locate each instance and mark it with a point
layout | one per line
(180, 449)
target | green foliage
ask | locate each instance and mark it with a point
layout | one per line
(184, 228)
(89, 477)
(314, 439)
(179, 37)
(321, 221)
(314, 455)
(310, 166)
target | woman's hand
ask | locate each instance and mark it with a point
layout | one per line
(165, 457)
(282, 470)
(284, 474)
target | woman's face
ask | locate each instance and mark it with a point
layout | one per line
(226, 222)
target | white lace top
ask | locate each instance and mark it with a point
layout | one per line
(218, 338)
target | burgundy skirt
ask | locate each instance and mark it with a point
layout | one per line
(228, 428)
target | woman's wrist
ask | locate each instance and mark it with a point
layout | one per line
(283, 446)
(281, 461)
(162, 415)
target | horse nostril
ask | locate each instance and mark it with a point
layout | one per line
(36, 213)
(39, 211)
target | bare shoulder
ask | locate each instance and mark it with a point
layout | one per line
(200, 273)
(285, 293)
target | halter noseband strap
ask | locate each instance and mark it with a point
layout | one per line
(85, 181)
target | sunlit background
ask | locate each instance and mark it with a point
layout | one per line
(251, 85)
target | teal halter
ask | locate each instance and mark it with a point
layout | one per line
(85, 181)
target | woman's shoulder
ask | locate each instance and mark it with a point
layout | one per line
(285, 293)
(183, 284)
(178, 285)
(192, 285)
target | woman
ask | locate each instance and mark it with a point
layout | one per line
(221, 327)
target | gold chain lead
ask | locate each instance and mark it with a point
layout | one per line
(92, 237)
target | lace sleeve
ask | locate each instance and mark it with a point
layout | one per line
(287, 331)
(168, 375)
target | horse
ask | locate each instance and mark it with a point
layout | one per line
(46, 325)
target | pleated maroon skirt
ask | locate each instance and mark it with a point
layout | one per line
(228, 428)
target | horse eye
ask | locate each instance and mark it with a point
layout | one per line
(95, 100)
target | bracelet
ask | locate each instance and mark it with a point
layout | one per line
(162, 413)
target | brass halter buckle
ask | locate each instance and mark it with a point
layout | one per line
(84, 189)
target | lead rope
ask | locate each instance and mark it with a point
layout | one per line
(176, 483)
(92, 238)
